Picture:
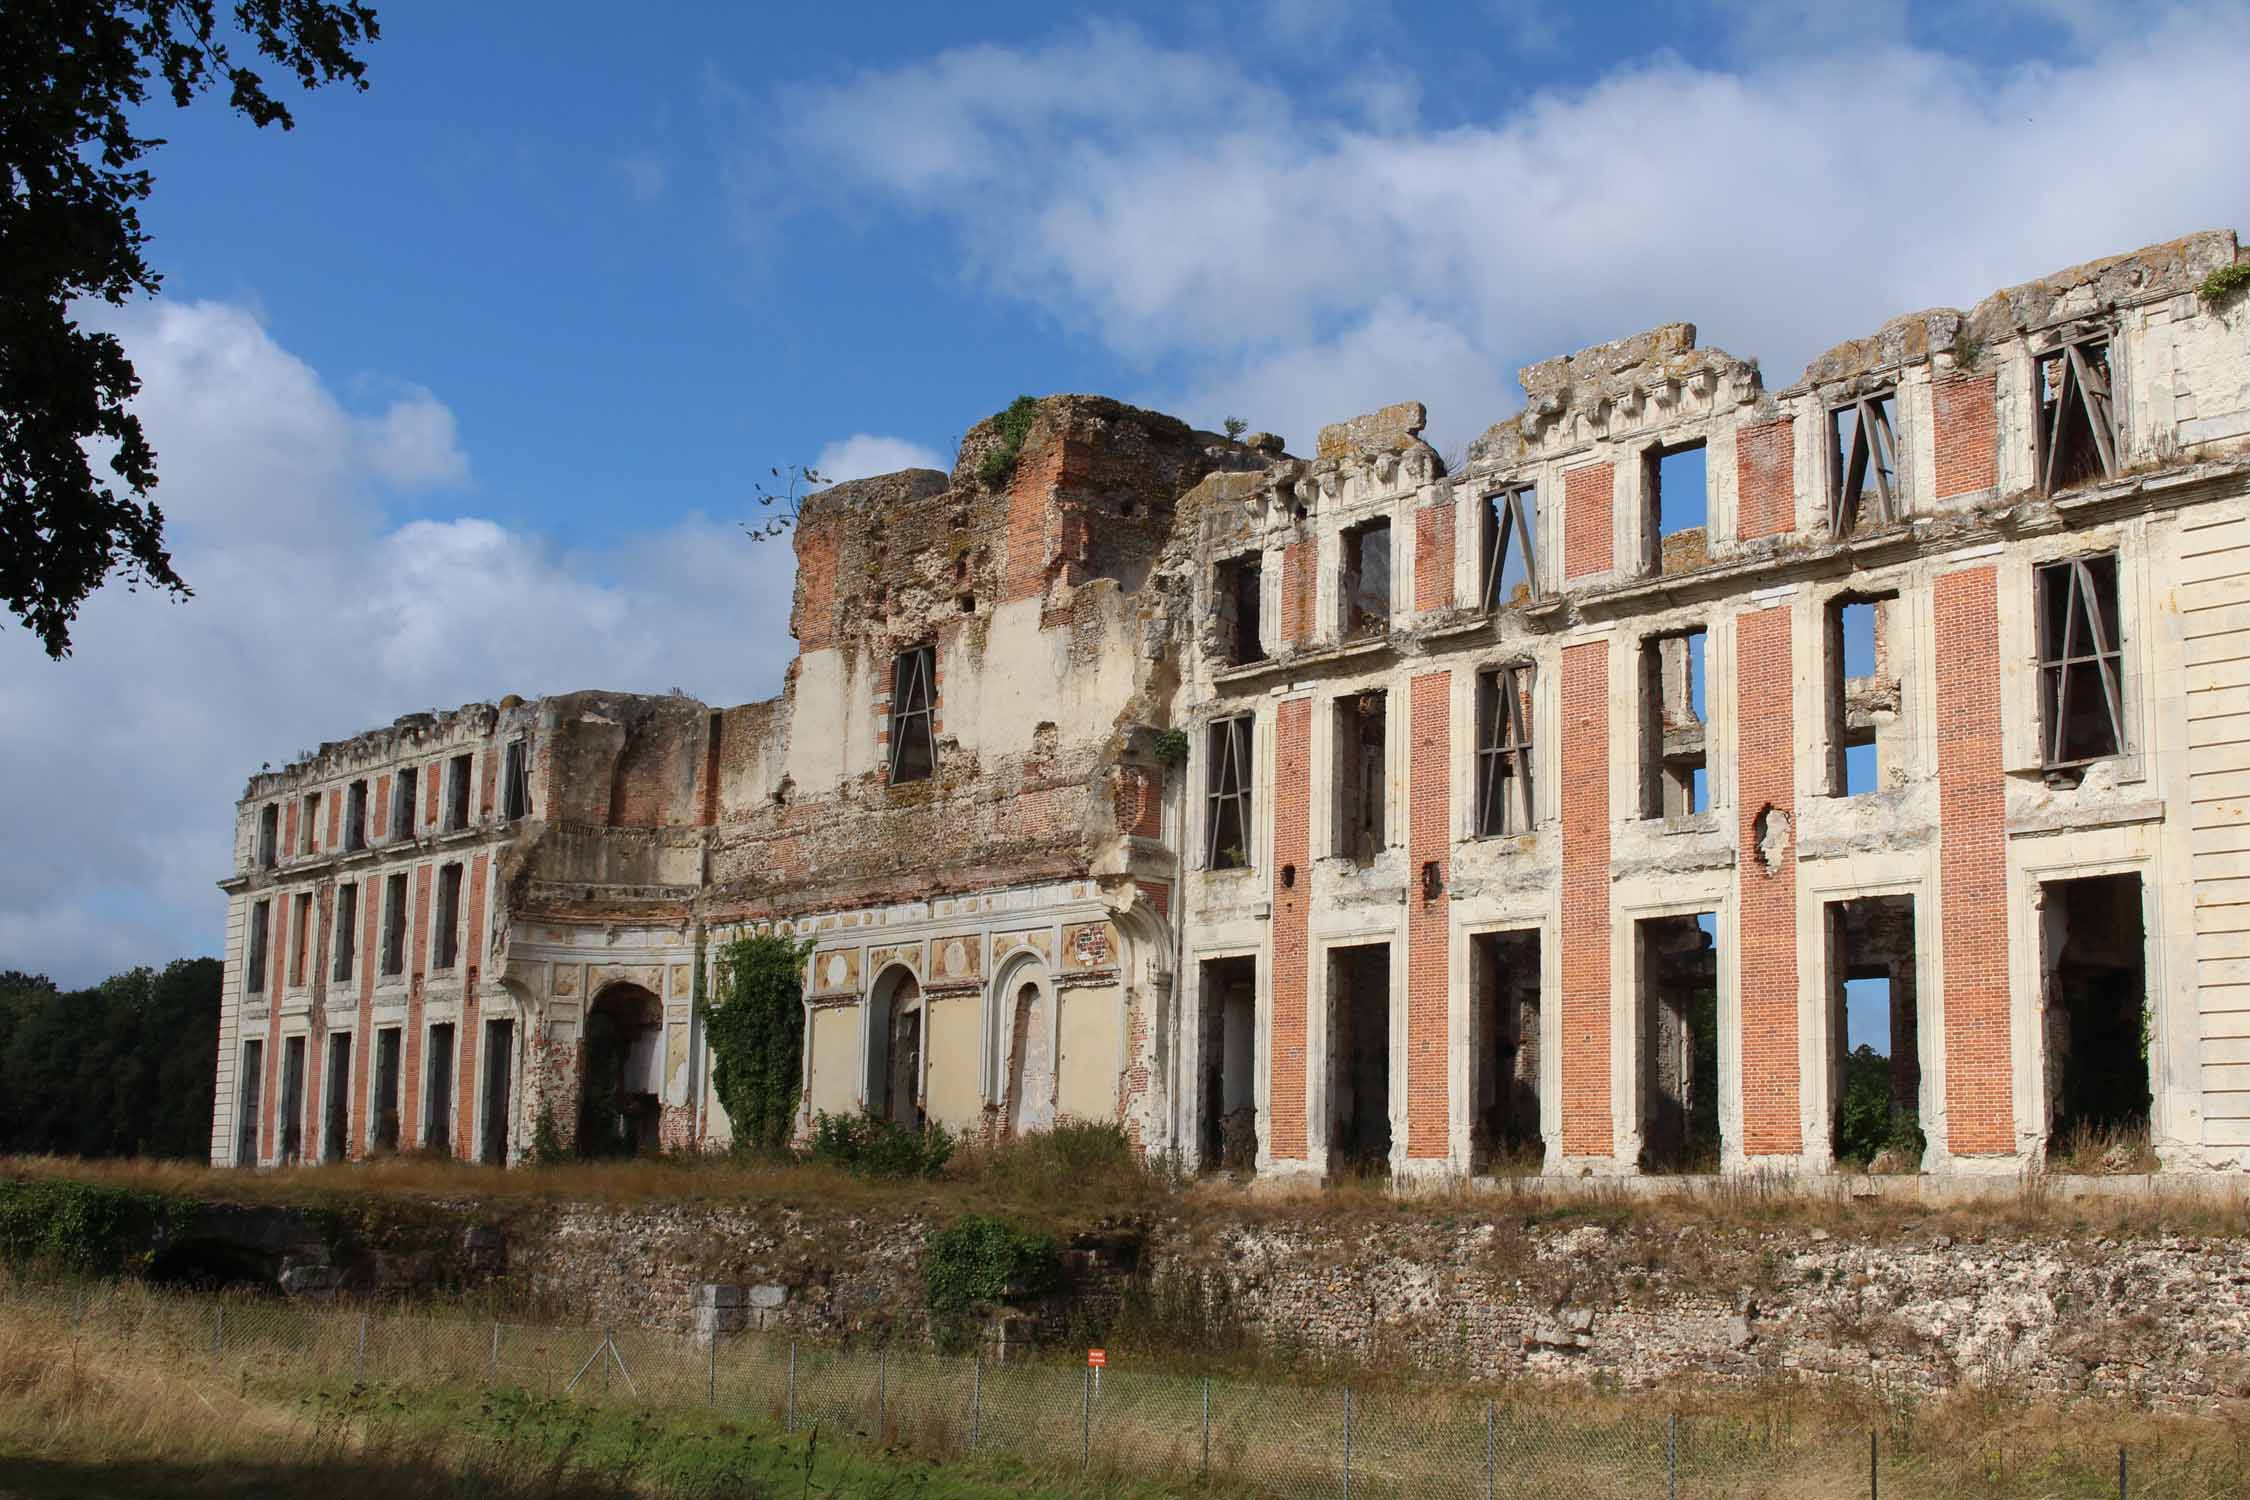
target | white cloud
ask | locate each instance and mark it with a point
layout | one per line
(1183, 207)
(312, 620)
(644, 174)
(865, 453)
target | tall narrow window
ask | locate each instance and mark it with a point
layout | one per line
(1360, 730)
(1504, 802)
(347, 929)
(2077, 418)
(386, 1088)
(1366, 582)
(457, 793)
(355, 817)
(1236, 589)
(1863, 464)
(1675, 508)
(269, 835)
(1675, 780)
(448, 918)
(913, 694)
(1227, 829)
(1511, 563)
(402, 802)
(311, 814)
(249, 1095)
(394, 924)
(254, 967)
(1863, 695)
(2081, 689)
(303, 936)
(515, 794)
(437, 1090)
(292, 1099)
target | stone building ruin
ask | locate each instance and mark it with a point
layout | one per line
(1355, 812)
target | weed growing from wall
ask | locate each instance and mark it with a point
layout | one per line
(977, 1261)
(756, 1023)
(999, 464)
(2221, 287)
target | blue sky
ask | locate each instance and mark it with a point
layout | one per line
(460, 388)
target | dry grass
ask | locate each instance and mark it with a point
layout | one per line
(2093, 1150)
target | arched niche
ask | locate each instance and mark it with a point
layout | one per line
(621, 1068)
(1024, 1044)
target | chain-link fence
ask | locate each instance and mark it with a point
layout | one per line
(1247, 1436)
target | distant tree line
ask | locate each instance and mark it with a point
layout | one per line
(122, 1069)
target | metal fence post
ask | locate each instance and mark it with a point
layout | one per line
(1874, 1479)
(1086, 1420)
(791, 1425)
(2124, 1491)
(492, 1367)
(1347, 1443)
(1672, 1457)
(359, 1368)
(1206, 1469)
(607, 1346)
(711, 1374)
(218, 1334)
(976, 1404)
(1491, 1479)
(882, 1393)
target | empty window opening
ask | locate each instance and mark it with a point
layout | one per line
(2094, 975)
(1359, 1058)
(1875, 1060)
(2081, 663)
(347, 931)
(1241, 633)
(499, 1077)
(1504, 1049)
(515, 795)
(1227, 821)
(1366, 590)
(254, 967)
(1675, 780)
(1863, 464)
(336, 1129)
(1504, 797)
(292, 1099)
(1511, 560)
(1678, 963)
(618, 1113)
(913, 731)
(1675, 508)
(1863, 696)
(893, 1082)
(269, 835)
(1230, 1034)
(249, 1095)
(457, 793)
(384, 1131)
(301, 939)
(448, 918)
(309, 814)
(394, 924)
(355, 817)
(2077, 419)
(437, 1095)
(402, 802)
(1360, 721)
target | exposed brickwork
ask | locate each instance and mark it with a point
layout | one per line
(1034, 532)
(1297, 592)
(1140, 801)
(1767, 927)
(1972, 864)
(418, 934)
(1433, 556)
(814, 619)
(1583, 772)
(429, 806)
(488, 799)
(1589, 519)
(1158, 894)
(1429, 919)
(471, 1043)
(363, 1043)
(1965, 431)
(336, 818)
(289, 844)
(379, 810)
(1765, 459)
(1292, 920)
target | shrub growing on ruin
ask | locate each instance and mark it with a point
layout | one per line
(977, 1261)
(878, 1148)
(999, 464)
(756, 1025)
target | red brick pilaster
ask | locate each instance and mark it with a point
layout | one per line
(1972, 865)
(1965, 429)
(1292, 917)
(364, 960)
(1589, 519)
(1583, 776)
(1429, 990)
(1433, 557)
(1772, 1122)
(469, 1038)
(1297, 591)
(1765, 465)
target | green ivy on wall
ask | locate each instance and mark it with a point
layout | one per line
(755, 1019)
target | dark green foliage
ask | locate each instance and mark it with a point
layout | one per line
(80, 1226)
(1171, 747)
(547, 1148)
(977, 1261)
(74, 85)
(123, 1069)
(877, 1148)
(756, 1023)
(1864, 1123)
(2221, 287)
(999, 464)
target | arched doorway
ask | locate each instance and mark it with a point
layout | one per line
(619, 1111)
(894, 1051)
(1030, 1080)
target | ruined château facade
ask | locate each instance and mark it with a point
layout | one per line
(1573, 805)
